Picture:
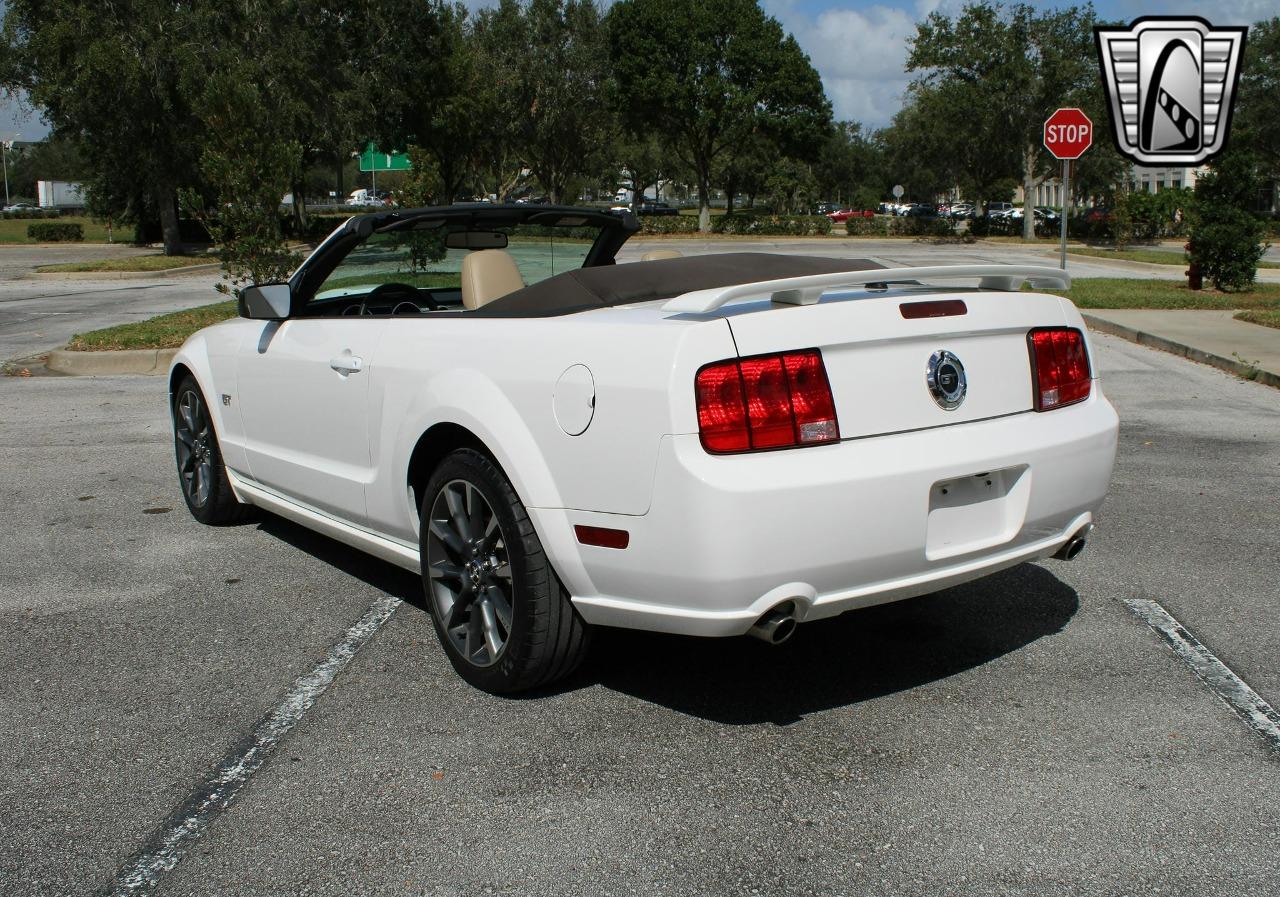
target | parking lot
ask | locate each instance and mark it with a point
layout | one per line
(1026, 734)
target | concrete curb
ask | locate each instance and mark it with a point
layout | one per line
(1142, 338)
(121, 275)
(127, 361)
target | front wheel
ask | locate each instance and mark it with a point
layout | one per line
(498, 608)
(201, 473)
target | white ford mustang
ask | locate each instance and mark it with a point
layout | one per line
(714, 445)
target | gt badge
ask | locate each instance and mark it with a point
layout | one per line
(1170, 85)
(946, 380)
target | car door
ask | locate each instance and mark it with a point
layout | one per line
(303, 391)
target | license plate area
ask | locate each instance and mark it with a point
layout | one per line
(978, 511)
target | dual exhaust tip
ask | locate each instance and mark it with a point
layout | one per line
(1071, 549)
(779, 624)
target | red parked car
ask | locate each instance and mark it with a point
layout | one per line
(846, 214)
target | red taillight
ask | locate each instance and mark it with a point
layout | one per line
(602, 536)
(1060, 367)
(765, 402)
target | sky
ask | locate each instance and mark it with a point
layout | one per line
(857, 46)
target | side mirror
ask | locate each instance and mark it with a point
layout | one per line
(268, 301)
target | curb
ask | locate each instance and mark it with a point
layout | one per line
(120, 275)
(126, 361)
(1142, 338)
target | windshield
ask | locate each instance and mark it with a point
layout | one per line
(430, 258)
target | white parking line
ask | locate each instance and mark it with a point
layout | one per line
(1247, 703)
(174, 837)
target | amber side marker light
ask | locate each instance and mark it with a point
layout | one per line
(602, 536)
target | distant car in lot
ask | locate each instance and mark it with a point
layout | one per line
(960, 210)
(1098, 214)
(922, 210)
(999, 209)
(842, 215)
(825, 208)
(654, 207)
(21, 207)
(554, 441)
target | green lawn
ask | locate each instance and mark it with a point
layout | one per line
(1125, 292)
(14, 230)
(163, 332)
(133, 263)
(1151, 256)
(1267, 317)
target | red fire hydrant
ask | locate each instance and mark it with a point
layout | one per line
(1195, 280)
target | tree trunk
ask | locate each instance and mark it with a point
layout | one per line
(730, 190)
(342, 193)
(704, 203)
(1028, 186)
(299, 210)
(166, 202)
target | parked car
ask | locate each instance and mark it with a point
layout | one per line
(922, 210)
(999, 209)
(825, 208)
(654, 207)
(960, 210)
(842, 215)
(686, 445)
(21, 207)
(1098, 214)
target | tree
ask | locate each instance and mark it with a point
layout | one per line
(1257, 116)
(111, 77)
(642, 163)
(747, 169)
(1226, 239)
(1008, 68)
(548, 65)
(850, 167)
(706, 75)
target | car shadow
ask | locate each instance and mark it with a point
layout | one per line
(855, 657)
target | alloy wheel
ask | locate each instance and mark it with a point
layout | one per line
(470, 573)
(195, 447)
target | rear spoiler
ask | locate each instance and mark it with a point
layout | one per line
(808, 289)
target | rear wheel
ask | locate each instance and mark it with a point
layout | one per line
(201, 473)
(499, 610)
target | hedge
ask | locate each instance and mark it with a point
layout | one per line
(59, 232)
(30, 213)
(772, 225)
(887, 226)
(668, 224)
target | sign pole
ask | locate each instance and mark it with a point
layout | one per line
(1066, 208)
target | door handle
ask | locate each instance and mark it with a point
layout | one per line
(347, 364)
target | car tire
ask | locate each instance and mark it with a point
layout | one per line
(499, 610)
(202, 476)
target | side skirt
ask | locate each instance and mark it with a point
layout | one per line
(395, 552)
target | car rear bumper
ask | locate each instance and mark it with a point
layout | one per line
(833, 528)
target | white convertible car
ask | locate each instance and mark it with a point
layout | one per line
(714, 445)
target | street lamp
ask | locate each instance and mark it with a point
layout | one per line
(5, 146)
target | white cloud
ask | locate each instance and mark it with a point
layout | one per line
(860, 55)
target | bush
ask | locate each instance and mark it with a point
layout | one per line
(59, 232)
(668, 224)
(1227, 241)
(772, 225)
(868, 227)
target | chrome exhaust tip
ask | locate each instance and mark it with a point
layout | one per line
(776, 626)
(1071, 549)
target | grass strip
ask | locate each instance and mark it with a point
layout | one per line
(161, 332)
(1267, 317)
(1150, 256)
(1132, 292)
(133, 263)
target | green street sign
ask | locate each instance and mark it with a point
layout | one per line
(374, 160)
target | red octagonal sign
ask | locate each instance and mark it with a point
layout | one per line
(1068, 133)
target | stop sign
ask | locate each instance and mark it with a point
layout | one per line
(1068, 133)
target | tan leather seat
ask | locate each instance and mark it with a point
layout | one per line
(654, 255)
(487, 275)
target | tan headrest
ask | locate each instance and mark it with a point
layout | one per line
(487, 275)
(654, 255)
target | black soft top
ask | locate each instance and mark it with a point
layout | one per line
(587, 288)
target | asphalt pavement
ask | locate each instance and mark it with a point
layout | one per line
(1026, 734)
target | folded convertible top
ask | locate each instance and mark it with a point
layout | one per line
(586, 288)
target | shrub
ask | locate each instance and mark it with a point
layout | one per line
(668, 224)
(868, 227)
(55, 232)
(1227, 241)
(772, 225)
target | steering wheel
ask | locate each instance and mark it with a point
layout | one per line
(401, 291)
